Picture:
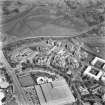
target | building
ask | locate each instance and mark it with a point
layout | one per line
(98, 62)
(2, 95)
(103, 77)
(55, 93)
(86, 103)
(3, 82)
(97, 103)
(93, 72)
(103, 98)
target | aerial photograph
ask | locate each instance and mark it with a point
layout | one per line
(52, 52)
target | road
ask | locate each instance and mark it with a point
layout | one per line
(15, 81)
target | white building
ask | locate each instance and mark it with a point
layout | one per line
(103, 97)
(93, 72)
(103, 77)
(2, 95)
(98, 62)
(3, 82)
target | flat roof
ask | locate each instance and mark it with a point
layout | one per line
(55, 93)
(93, 72)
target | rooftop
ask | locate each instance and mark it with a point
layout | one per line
(93, 72)
(55, 93)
